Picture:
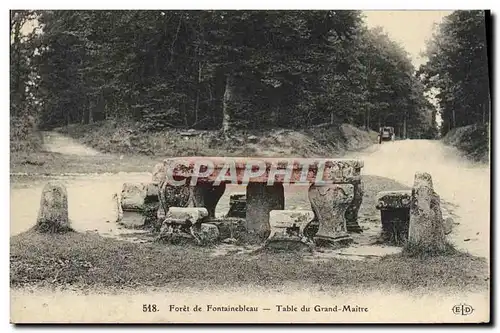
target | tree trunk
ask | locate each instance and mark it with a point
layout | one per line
(228, 104)
(17, 72)
(484, 107)
(368, 118)
(91, 113)
(488, 108)
(66, 116)
(404, 127)
(367, 112)
(197, 104)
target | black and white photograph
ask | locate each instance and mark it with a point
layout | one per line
(289, 166)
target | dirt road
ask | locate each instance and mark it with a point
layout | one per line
(463, 186)
(57, 143)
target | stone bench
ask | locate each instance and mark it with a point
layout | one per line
(394, 209)
(334, 188)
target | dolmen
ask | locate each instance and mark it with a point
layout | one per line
(334, 189)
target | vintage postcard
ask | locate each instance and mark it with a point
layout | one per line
(250, 166)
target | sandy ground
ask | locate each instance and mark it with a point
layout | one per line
(464, 186)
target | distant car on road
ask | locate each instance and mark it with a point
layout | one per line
(386, 133)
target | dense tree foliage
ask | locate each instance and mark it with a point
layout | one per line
(457, 70)
(223, 70)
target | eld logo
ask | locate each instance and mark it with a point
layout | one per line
(462, 309)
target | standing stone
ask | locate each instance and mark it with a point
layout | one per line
(426, 229)
(205, 233)
(261, 199)
(329, 203)
(53, 213)
(207, 195)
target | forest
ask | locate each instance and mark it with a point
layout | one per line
(231, 70)
(457, 74)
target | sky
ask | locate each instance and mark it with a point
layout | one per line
(410, 28)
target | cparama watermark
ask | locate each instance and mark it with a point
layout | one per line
(301, 172)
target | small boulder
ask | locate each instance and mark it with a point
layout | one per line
(206, 234)
(132, 196)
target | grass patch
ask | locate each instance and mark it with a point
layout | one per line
(425, 252)
(47, 163)
(88, 260)
(47, 226)
(23, 136)
(129, 150)
(472, 141)
(126, 138)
